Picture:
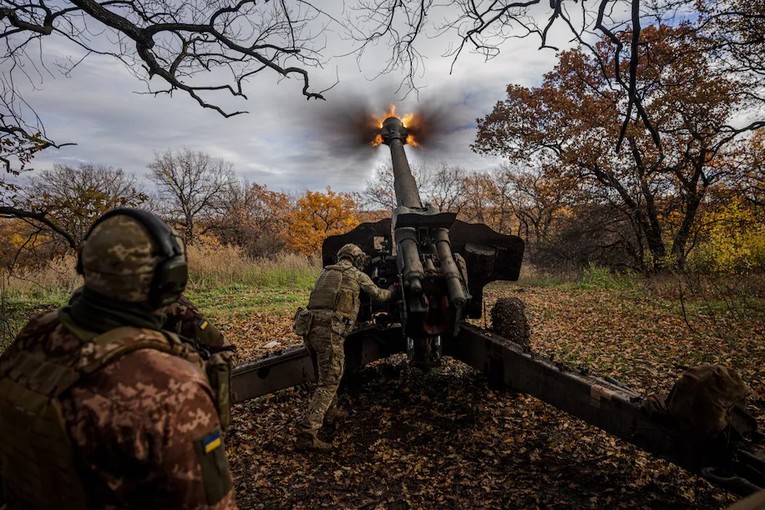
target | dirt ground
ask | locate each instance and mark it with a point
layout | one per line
(446, 439)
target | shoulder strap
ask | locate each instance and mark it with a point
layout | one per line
(35, 442)
(39, 326)
(112, 345)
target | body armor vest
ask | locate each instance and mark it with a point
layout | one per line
(336, 289)
(37, 458)
(324, 293)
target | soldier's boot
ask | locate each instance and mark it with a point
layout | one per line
(335, 414)
(308, 442)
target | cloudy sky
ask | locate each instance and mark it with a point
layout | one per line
(285, 142)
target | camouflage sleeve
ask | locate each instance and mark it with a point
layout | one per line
(152, 442)
(184, 318)
(372, 290)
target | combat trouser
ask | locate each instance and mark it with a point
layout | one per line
(325, 343)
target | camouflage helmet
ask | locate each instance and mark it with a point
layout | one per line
(355, 254)
(131, 255)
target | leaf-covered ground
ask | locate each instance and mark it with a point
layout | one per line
(445, 439)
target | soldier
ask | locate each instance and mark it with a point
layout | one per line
(186, 320)
(183, 318)
(332, 310)
(100, 408)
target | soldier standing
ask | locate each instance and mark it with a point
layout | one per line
(101, 408)
(332, 310)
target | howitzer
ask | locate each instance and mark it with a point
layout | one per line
(443, 265)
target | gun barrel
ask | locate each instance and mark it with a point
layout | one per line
(449, 269)
(394, 136)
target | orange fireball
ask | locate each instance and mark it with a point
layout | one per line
(407, 120)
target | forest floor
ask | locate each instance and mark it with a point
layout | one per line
(446, 439)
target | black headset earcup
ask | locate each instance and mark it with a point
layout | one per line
(169, 280)
(171, 273)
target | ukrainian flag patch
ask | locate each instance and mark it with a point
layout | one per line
(212, 441)
(203, 324)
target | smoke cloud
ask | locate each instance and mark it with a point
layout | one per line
(353, 124)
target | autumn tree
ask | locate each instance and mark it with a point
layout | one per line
(485, 200)
(536, 199)
(191, 188)
(440, 186)
(379, 191)
(21, 138)
(573, 124)
(255, 218)
(447, 187)
(734, 238)
(752, 165)
(70, 198)
(734, 28)
(318, 215)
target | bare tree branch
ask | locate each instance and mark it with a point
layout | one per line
(41, 217)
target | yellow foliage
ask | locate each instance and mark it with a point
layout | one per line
(17, 238)
(736, 240)
(208, 240)
(317, 216)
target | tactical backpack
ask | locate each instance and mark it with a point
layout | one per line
(325, 292)
(36, 454)
(329, 293)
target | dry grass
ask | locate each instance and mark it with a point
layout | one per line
(226, 266)
(57, 276)
(210, 268)
(216, 274)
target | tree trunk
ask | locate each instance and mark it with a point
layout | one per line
(681, 238)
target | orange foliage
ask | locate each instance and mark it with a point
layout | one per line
(318, 215)
(572, 125)
(18, 241)
(256, 218)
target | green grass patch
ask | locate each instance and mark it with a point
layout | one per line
(259, 287)
(16, 310)
(590, 278)
(242, 300)
(222, 283)
(255, 277)
(744, 306)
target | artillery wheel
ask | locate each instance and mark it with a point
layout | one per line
(508, 320)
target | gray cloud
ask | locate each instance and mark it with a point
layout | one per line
(285, 141)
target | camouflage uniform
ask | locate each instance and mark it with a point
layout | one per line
(186, 320)
(701, 402)
(138, 444)
(128, 416)
(330, 323)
